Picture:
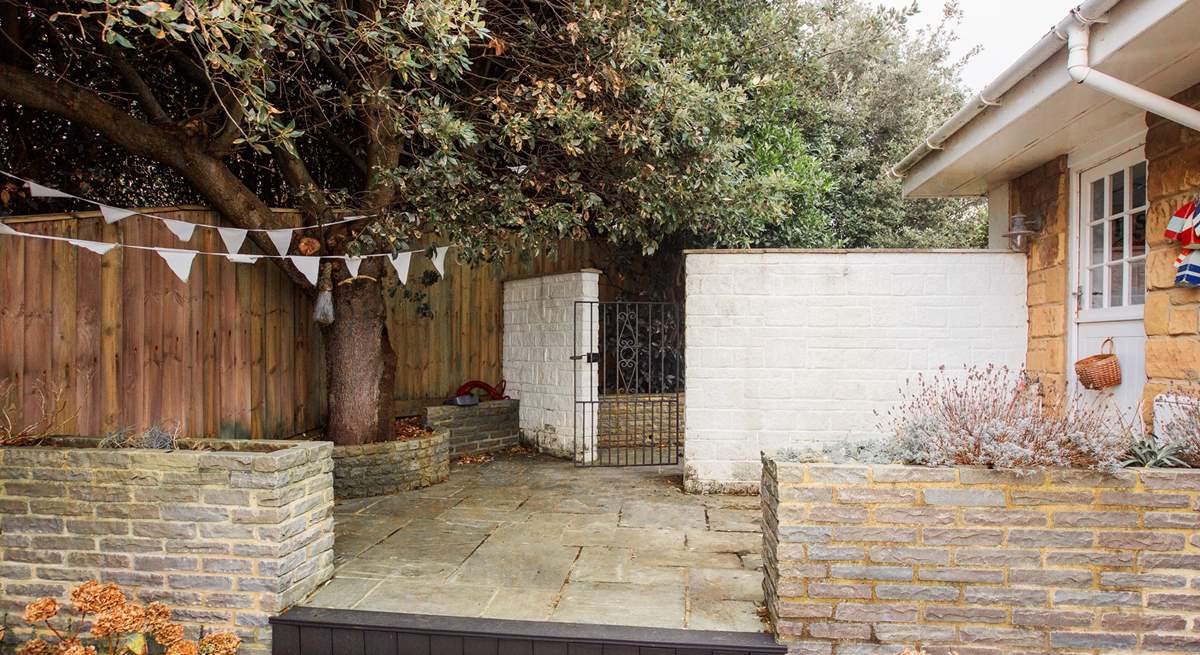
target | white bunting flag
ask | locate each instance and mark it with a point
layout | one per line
(243, 259)
(38, 191)
(282, 239)
(97, 247)
(114, 214)
(233, 238)
(183, 231)
(439, 259)
(352, 264)
(309, 266)
(180, 262)
(4, 229)
(400, 263)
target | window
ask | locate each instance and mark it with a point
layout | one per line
(1115, 252)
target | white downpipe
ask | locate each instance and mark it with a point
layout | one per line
(1078, 41)
(1043, 50)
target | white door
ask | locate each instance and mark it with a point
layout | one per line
(1111, 266)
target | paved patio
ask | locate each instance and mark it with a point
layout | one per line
(533, 538)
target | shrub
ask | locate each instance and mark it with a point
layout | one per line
(118, 627)
(992, 416)
(1181, 431)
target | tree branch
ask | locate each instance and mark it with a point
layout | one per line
(133, 79)
(207, 174)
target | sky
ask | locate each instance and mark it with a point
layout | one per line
(1005, 29)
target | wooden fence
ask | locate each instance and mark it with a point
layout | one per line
(234, 352)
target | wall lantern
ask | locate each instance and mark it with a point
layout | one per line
(1021, 230)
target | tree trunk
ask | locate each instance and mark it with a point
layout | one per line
(361, 365)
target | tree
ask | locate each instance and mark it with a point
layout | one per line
(495, 126)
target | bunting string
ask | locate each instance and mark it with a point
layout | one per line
(181, 229)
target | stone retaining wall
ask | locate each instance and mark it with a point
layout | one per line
(487, 427)
(623, 419)
(376, 469)
(869, 559)
(227, 536)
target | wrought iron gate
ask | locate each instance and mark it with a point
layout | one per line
(629, 387)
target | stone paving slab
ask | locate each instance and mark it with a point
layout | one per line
(533, 538)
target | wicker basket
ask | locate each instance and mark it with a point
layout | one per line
(1100, 371)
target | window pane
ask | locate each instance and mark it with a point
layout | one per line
(1096, 288)
(1097, 244)
(1138, 173)
(1137, 282)
(1116, 234)
(1116, 285)
(1116, 193)
(1097, 199)
(1137, 242)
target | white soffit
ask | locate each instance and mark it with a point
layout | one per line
(1150, 43)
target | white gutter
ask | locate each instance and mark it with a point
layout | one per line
(1087, 12)
(1078, 39)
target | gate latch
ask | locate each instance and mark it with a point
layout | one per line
(592, 358)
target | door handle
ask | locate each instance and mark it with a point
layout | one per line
(592, 358)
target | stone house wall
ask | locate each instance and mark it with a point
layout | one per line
(227, 536)
(864, 560)
(795, 349)
(1172, 314)
(484, 428)
(388, 467)
(542, 327)
(1044, 192)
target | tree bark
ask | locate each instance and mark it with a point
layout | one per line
(360, 363)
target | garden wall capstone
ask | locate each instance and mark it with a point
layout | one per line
(227, 536)
(868, 559)
(484, 428)
(388, 467)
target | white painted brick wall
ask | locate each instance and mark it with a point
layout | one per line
(792, 349)
(539, 340)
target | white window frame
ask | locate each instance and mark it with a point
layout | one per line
(1081, 226)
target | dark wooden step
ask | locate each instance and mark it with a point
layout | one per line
(320, 631)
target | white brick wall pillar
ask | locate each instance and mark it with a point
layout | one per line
(541, 333)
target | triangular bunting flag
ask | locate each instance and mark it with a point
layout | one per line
(352, 264)
(439, 259)
(233, 238)
(180, 229)
(243, 259)
(38, 191)
(282, 240)
(97, 247)
(4, 229)
(400, 263)
(180, 262)
(309, 266)
(114, 214)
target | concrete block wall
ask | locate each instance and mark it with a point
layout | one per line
(799, 348)
(540, 336)
(865, 560)
(227, 536)
(490, 426)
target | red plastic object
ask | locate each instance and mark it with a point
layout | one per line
(494, 393)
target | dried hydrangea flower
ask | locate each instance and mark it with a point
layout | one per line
(184, 647)
(121, 619)
(35, 647)
(74, 647)
(42, 609)
(158, 615)
(92, 597)
(169, 634)
(220, 643)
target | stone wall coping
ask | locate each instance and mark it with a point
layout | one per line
(356, 450)
(261, 455)
(483, 405)
(864, 473)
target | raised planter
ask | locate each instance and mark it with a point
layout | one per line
(389, 467)
(490, 426)
(228, 536)
(972, 559)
